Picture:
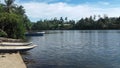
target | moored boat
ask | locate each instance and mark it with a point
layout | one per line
(17, 48)
(15, 44)
(34, 34)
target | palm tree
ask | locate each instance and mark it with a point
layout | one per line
(19, 10)
(9, 5)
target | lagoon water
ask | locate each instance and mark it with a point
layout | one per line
(76, 49)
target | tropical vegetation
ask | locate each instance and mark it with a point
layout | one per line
(13, 21)
(88, 23)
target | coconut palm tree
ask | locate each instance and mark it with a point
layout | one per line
(9, 5)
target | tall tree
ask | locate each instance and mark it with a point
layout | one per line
(9, 5)
(19, 10)
(1, 8)
(13, 20)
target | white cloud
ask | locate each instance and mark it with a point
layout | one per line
(37, 11)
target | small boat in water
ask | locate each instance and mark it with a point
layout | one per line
(16, 48)
(14, 44)
(35, 34)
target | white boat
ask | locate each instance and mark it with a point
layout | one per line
(16, 48)
(41, 32)
(34, 33)
(14, 44)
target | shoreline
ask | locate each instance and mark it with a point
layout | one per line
(3, 39)
(11, 59)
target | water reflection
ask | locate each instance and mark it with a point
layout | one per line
(76, 49)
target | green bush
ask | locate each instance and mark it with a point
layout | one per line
(12, 24)
(2, 33)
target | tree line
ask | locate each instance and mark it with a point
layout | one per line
(53, 24)
(13, 20)
(88, 23)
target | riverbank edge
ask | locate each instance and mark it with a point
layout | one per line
(3, 39)
(11, 60)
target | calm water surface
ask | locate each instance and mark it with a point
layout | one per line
(76, 49)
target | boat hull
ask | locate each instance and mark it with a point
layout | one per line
(16, 48)
(35, 34)
(14, 44)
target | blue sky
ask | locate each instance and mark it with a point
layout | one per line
(73, 9)
(74, 1)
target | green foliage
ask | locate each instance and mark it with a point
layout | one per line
(82, 24)
(27, 23)
(1, 8)
(13, 20)
(9, 5)
(53, 24)
(101, 23)
(11, 24)
(2, 33)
